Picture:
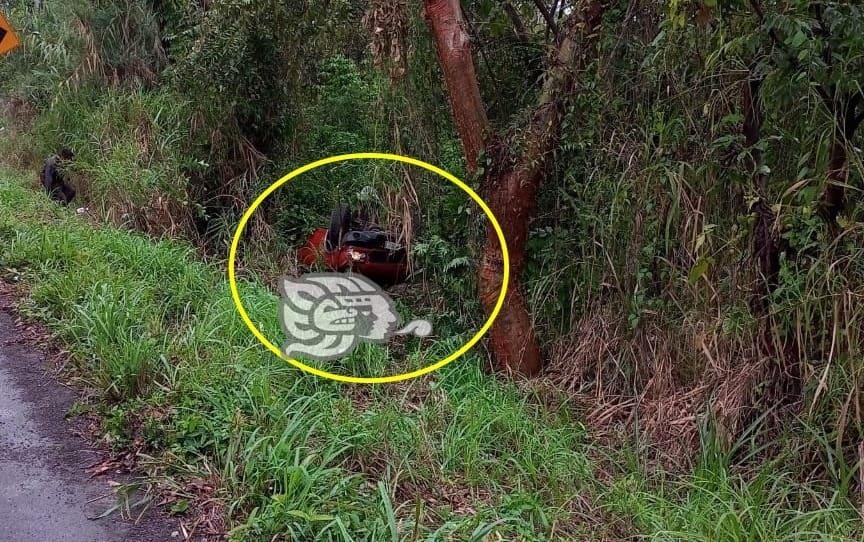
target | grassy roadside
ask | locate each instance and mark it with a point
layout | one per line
(285, 456)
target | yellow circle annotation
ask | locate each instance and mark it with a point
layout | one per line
(235, 293)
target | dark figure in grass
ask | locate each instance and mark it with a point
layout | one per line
(53, 179)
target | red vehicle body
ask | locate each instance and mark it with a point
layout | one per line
(367, 251)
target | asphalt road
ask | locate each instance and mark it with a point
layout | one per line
(45, 495)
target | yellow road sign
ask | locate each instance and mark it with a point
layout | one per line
(8, 38)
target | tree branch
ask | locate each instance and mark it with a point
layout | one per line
(550, 20)
(481, 47)
(449, 29)
(516, 19)
(826, 97)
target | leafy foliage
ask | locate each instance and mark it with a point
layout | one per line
(642, 270)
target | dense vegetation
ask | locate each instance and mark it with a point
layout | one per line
(693, 267)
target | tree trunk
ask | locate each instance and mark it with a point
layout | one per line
(834, 197)
(511, 184)
(765, 247)
(449, 30)
(833, 201)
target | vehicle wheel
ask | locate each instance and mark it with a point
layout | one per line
(340, 222)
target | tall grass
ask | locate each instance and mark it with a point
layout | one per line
(459, 455)
(155, 335)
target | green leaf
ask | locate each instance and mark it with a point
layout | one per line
(310, 517)
(798, 39)
(179, 507)
(698, 270)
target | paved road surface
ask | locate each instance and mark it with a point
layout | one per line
(44, 494)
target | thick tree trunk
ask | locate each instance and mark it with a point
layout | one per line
(453, 44)
(511, 184)
(511, 195)
(511, 190)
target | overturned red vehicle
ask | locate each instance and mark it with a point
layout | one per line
(351, 244)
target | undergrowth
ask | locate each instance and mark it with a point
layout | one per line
(280, 455)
